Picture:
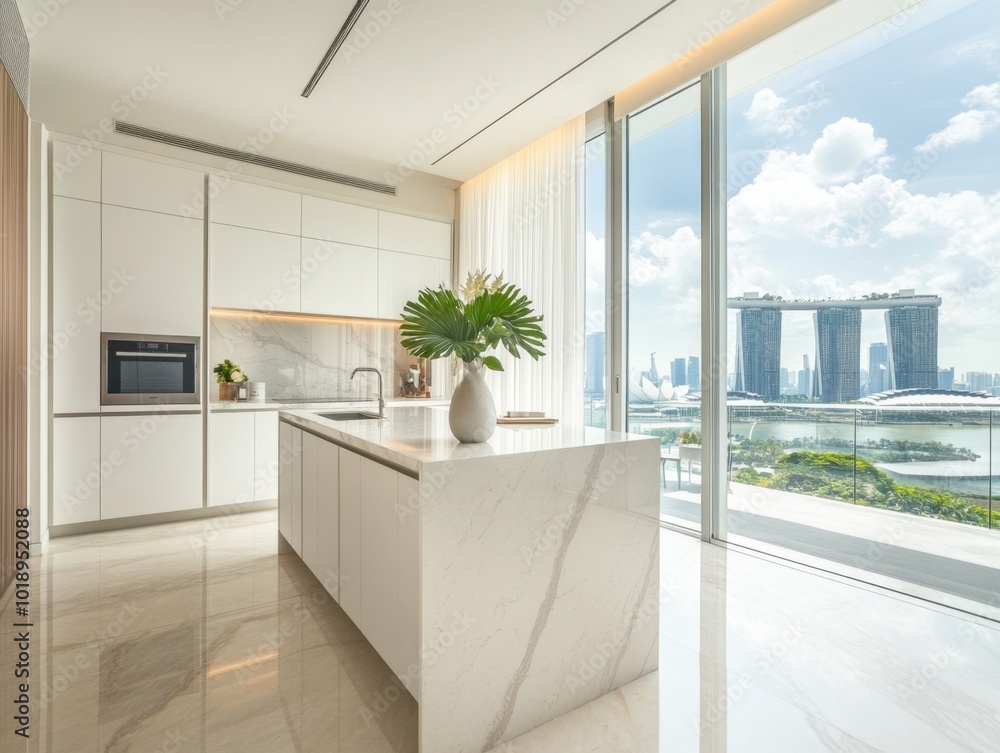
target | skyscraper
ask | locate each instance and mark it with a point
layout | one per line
(913, 346)
(878, 367)
(694, 372)
(805, 377)
(758, 351)
(595, 365)
(838, 354)
(678, 372)
(946, 378)
(979, 381)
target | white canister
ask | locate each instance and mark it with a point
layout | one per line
(255, 392)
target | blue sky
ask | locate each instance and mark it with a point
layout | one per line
(872, 166)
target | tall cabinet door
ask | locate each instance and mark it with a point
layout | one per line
(153, 269)
(350, 534)
(290, 485)
(408, 516)
(380, 560)
(265, 455)
(76, 470)
(157, 461)
(76, 306)
(230, 458)
(310, 498)
(328, 518)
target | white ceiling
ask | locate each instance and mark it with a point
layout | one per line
(228, 65)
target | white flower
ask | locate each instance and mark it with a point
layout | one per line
(236, 376)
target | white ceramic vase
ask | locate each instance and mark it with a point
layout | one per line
(472, 415)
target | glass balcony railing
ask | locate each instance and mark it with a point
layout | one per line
(930, 461)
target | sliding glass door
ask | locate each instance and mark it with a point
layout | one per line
(663, 262)
(864, 197)
(862, 379)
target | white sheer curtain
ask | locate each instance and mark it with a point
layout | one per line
(523, 217)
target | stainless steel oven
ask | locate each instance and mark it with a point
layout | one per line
(149, 369)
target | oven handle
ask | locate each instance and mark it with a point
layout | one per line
(151, 355)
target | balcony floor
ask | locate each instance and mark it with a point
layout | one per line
(936, 559)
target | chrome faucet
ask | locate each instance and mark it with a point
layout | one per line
(381, 402)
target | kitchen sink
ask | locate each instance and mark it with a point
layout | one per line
(350, 416)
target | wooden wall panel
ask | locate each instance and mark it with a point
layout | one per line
(13, 319)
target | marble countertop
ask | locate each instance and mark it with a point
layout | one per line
(330, 405)
(411, 435)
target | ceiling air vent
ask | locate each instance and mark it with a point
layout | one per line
(172, 139)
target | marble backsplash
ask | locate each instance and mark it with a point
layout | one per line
(313, 358)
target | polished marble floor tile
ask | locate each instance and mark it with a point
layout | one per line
(200, 637)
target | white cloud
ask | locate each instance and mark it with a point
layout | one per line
(767, 113)
(846, 150)
(833, 194)
(667, 260)
(971, 125)
(983, 50)
(829, 222)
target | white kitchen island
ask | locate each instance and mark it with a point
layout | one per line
(504, 583)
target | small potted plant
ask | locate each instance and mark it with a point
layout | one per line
(230, 377)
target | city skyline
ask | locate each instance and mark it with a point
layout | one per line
(835, 190)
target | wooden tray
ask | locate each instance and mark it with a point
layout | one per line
(527, 420)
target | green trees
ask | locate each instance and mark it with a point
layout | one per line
(841, 476)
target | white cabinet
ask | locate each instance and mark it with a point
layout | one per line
(339, 222)
(76, 470)
(157, 462)
(76, 171)
(265, 455)
(327, 567)
(76, 306)
(402, 276)
(339, 279)
(380, 560)
(251, 206)
(310, 499)
(413, 235)
(408, 517)
(230, 458)
(253, 269)
(154, 186)
(290, 485)
(153, 271)
(350, 534)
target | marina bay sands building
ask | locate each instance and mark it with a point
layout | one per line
(911, 323)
